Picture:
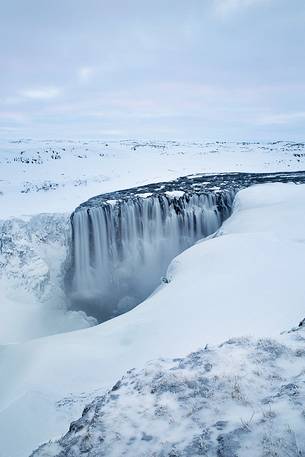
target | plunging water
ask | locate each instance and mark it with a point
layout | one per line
(122, 249)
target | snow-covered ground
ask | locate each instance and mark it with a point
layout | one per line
(246, 281)
(56, 176)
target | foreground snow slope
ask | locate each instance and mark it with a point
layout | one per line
(200, 405)
(248, 281)
(56, 176)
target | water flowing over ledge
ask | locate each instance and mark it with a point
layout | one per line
(124, 241)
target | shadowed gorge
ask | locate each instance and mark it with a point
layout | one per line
(124, 241)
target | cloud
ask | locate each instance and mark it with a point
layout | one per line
(42, 93)
(282, 118)
(226, 7)
(12, 116)
(85, 73)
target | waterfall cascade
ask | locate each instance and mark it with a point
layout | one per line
(124, 241)
(123, 248)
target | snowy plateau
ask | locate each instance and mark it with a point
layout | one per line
(152, 299)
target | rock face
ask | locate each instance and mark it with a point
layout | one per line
(124, 241)
(245, 397)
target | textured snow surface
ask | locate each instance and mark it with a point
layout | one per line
(56, 176)
(242, 398)
(249, 280)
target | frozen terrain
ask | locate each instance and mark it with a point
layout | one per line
(248, 280)
(152, 263)
(56, 176)
(42, 182)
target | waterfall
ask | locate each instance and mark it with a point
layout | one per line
(121, 249)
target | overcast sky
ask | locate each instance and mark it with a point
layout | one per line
(185, 69)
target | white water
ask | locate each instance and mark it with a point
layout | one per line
(122, 250)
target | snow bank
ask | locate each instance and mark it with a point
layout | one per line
(250, 281)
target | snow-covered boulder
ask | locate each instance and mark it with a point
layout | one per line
(242, 398)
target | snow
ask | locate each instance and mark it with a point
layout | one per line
(175, 194)
(248, 280)
(23, 316)
(56, 176)
(41, 181)
(144, 195)
(200, 405)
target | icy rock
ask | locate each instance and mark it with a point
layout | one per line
(33, 250)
